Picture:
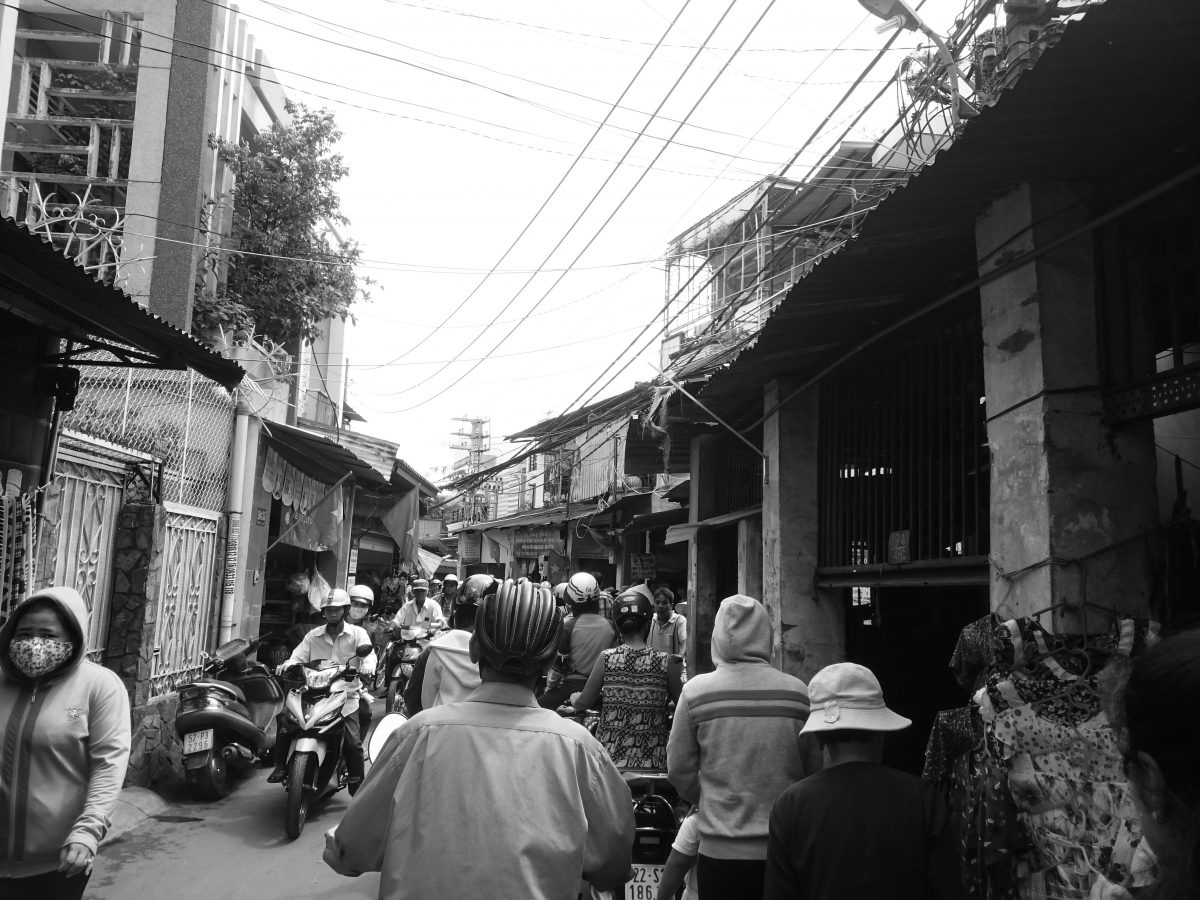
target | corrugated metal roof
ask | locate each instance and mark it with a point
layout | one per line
(321, 456)
(39, 284)
(1118, 96)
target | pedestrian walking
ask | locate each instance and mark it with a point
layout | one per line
(668, 630)
(493, 796)
(680, 870)
(1158, 721)
(734, 748)
(66, 728)
(857, 829)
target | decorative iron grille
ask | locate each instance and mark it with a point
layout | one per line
(903, 448)
(181, 418)
(184, 615)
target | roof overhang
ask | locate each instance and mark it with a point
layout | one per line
(321, 458)
(41, 286)
(1105, 108)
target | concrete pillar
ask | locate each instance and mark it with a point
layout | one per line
(702, 570)
(1070, 495)
(702, 601)
(750, 556)
(189, 120)
(809, 623)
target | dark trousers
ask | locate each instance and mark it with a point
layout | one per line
(50, 886)
(364, 717)
(718, 879)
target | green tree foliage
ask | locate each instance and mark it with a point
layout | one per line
(283, 202)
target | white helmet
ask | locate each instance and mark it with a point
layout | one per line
(362, 593)
(582, 588)
(336, 598)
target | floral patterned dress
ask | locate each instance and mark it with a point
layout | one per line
(633, 717)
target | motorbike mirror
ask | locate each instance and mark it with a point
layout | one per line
(363, 650)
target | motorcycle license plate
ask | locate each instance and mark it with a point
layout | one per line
(644, 884)
(197, 741)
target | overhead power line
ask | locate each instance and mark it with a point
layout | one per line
(629, 193)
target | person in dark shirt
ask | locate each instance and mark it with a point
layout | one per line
(858, 830)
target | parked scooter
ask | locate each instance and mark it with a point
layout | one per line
(316, 707)
(407, 643)
(227, 717)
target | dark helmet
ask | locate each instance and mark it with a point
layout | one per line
(475, 588)
(518, 628)
(632, 606)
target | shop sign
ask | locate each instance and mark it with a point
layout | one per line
(470, 547)
(353, 568)
(531, 542)
(899, 550)
(642, 566)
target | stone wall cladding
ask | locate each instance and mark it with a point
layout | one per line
(155, 757)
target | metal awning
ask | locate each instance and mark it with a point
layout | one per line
(553, 515)
(320, 457)
(655, 520)
(1077, 116)
(40, 285)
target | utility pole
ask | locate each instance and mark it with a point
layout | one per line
(473, 436)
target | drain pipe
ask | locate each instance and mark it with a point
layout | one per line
(233, 534)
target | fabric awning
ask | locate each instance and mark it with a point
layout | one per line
(41, 286)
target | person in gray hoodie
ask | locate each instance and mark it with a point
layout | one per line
(734, 748)
(66, 734)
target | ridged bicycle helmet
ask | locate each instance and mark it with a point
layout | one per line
(582, 588)
(518, 628)
(632, 606)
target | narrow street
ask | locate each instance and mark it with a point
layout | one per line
(234, 848)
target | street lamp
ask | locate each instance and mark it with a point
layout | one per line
(898, 14)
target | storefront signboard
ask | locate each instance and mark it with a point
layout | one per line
(642, 566)
(531, 542)
(470, 547)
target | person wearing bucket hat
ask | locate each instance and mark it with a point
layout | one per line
(734, 749)
(857, 829)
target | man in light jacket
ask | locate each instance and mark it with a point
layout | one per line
(734, 748)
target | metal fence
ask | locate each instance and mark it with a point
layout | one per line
(181, 418)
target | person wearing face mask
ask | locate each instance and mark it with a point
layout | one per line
(361, 598)
(66, 727)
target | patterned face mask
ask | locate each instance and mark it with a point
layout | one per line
(38, 656)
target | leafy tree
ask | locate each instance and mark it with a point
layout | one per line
(283, 204)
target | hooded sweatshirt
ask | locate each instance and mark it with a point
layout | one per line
(734, 745)
(64, 746)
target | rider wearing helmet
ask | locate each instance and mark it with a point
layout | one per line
(448, 594)
(635, 682)
(417, 819)
(337, 641)
(585, 635)
(362, 598)
(445, 672)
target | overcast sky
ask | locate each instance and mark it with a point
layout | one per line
(460, 119)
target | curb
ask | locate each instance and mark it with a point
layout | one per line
(134, 806)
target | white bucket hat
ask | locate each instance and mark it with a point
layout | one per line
(847, 696)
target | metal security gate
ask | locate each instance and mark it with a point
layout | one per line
(91, 478)
(185, 601)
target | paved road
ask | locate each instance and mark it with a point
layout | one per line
(228, 850)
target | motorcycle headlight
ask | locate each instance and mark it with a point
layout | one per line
(329, 717)
(406, 671)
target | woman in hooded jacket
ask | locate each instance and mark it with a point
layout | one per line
(64, 747)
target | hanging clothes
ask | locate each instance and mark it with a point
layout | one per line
(1031, 768)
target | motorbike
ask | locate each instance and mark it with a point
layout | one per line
(407, 643)
(316, 706)
(227, 717)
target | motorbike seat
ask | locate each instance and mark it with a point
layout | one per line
(231, 689)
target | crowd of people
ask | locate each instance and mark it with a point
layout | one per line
(500, 792)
